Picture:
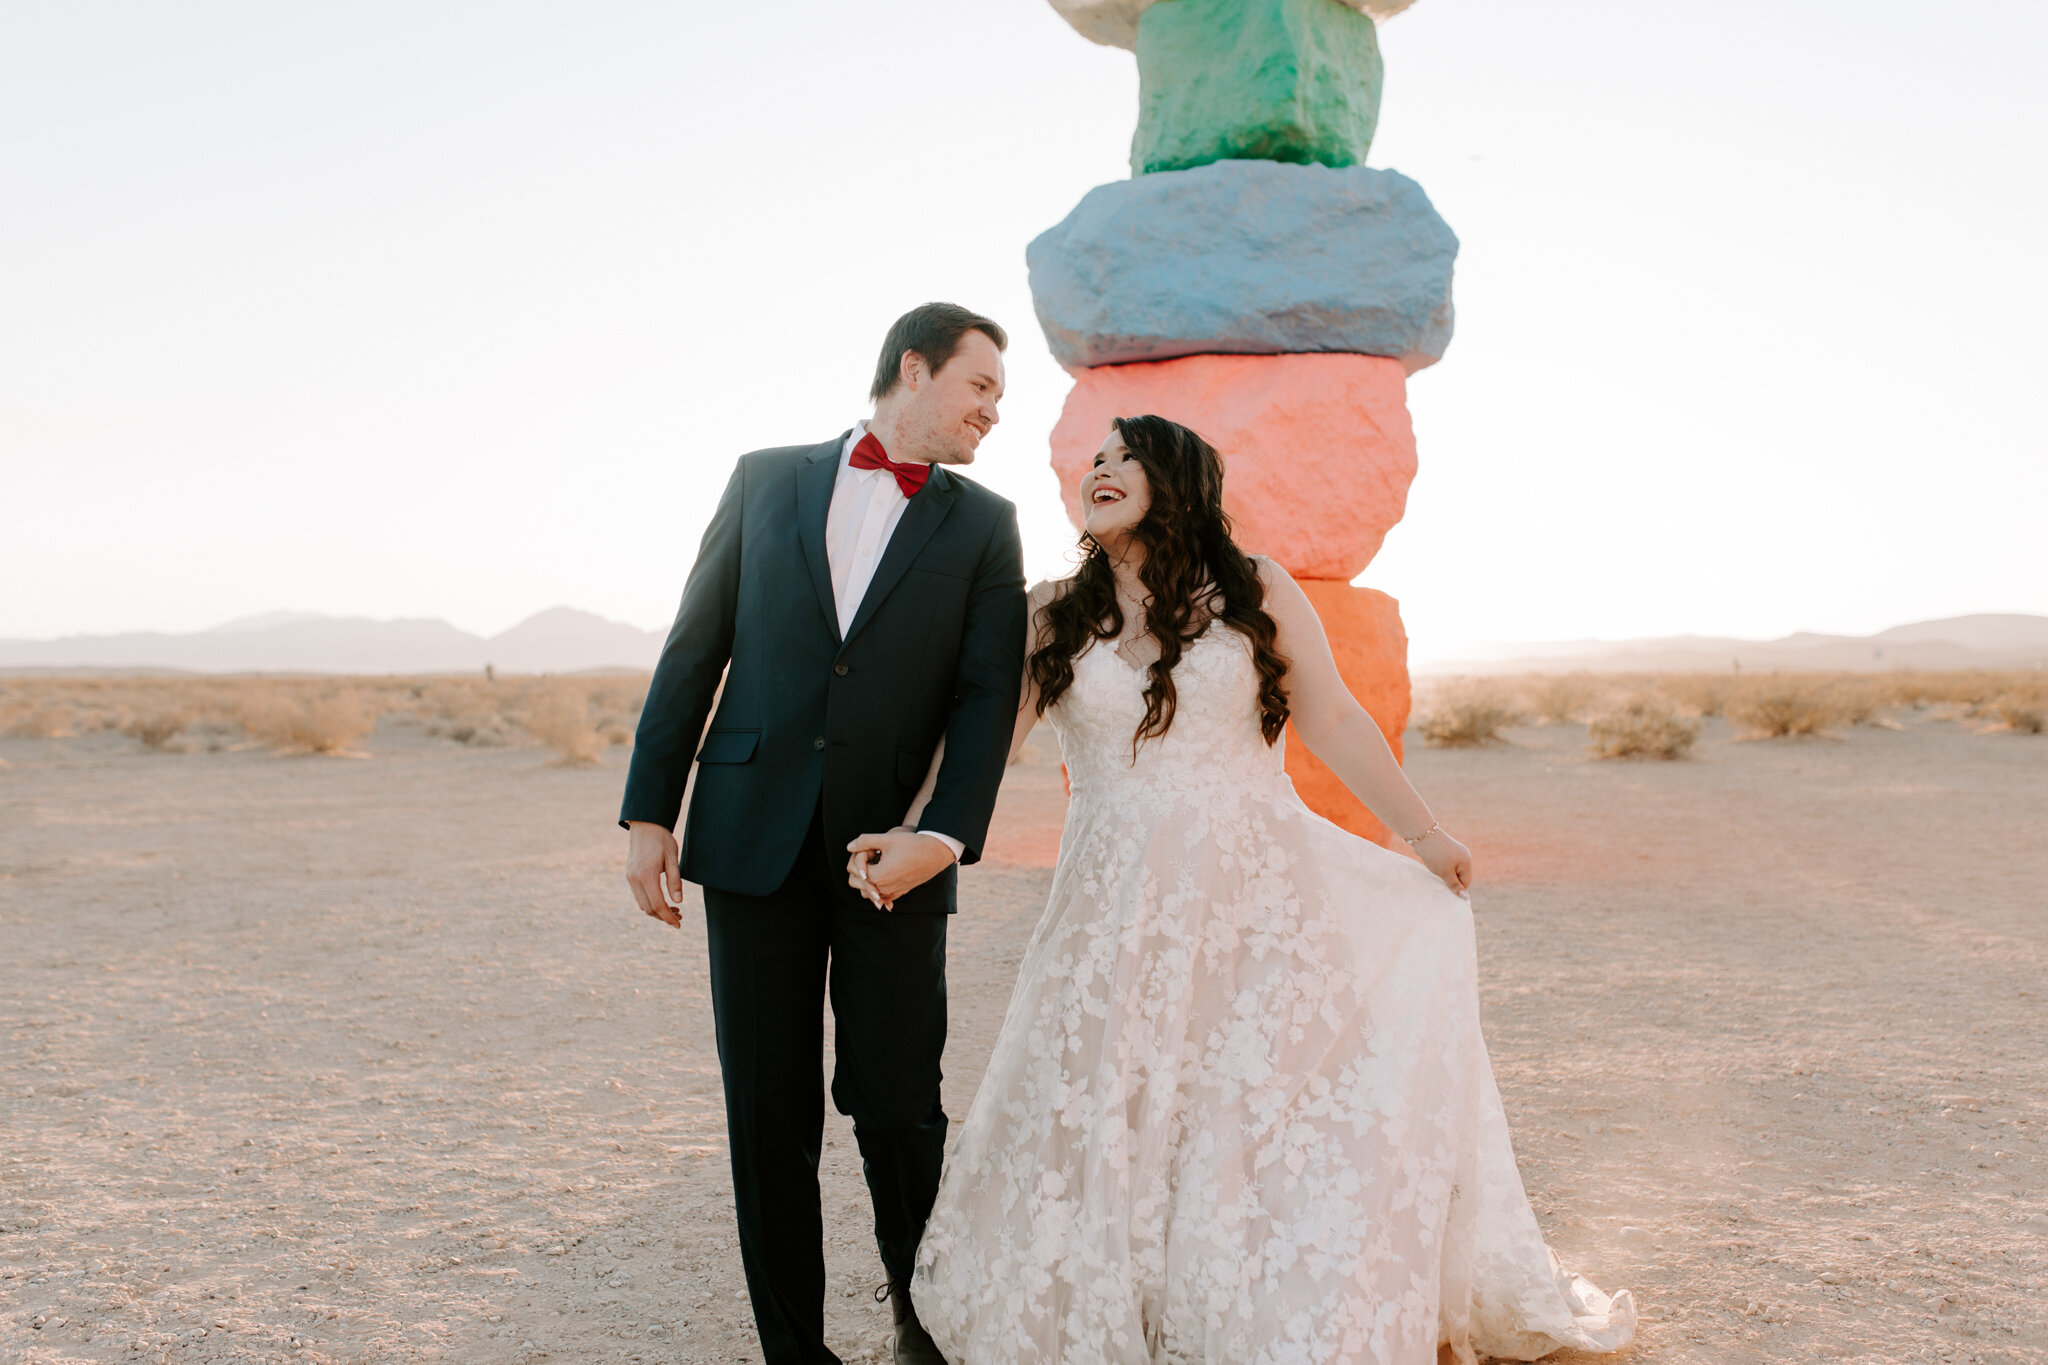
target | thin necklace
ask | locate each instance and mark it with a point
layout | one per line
(1135, 627)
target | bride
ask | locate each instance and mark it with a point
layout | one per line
(1240, 1112)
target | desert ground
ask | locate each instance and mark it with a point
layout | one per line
(367, 1059)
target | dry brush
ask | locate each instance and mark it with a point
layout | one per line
(576, 717)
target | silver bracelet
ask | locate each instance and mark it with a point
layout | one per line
(1434, 828)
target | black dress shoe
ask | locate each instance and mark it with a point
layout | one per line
(914, 1345)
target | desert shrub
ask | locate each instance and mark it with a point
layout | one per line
(39, 722)
(1976, 690)
(560, 719)
(1782, 704)
(1644, 727)
(1704, 694)
(477, 729)
(1465, 715)
(305, 722)
(1858, 699)
(1911, 690)
(1973, 689)
(1906, 689)
(465, 710)
(451, 699)
(2024, 710)
(1962, 692)
(156, 728)
(1554, 698)
(620, 696)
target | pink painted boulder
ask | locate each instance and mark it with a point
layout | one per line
(1317, 448)
(1372, 655)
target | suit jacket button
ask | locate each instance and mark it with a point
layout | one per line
(841, 670)
(818, 743)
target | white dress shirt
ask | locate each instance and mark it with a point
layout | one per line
(866, 505)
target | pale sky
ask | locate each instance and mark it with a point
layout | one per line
(465, 309)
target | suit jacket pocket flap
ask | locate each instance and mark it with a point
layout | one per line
(728, 746)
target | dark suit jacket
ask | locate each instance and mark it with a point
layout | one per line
(937, 649)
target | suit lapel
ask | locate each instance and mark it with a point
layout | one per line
(813, 501)
(920, 519)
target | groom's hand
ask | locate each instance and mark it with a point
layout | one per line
(885, 866)
(651, 857)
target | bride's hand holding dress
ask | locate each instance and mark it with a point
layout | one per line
(1345, 737)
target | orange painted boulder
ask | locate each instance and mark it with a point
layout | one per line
(1318, 450)
(1372, 653)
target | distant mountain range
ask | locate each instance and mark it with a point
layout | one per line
(566, 641)
(557, 641)
(1959, 642)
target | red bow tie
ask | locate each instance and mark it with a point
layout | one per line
(868, 454)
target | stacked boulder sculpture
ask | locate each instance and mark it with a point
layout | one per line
(1255, 281)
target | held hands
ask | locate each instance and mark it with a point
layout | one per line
(1446, 857)
(884, 866)
(652, 871)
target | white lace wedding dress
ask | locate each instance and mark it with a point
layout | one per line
(1240, 1112)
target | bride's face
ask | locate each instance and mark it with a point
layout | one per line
(1116, 494)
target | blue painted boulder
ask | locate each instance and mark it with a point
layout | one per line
(1248, 258)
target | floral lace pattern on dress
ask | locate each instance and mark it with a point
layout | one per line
(1240, 1112)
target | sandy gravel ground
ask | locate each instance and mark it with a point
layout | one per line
(334, 1060)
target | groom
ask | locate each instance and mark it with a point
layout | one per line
(861, 603)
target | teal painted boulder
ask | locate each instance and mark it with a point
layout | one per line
(1114, 23)
(1254, 80)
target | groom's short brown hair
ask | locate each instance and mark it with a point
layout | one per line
(933, 330)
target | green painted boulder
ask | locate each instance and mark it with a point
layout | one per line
(1259, 80)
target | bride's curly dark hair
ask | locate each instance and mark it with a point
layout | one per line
(1194, 573)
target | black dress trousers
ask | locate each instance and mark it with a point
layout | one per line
(773, 959)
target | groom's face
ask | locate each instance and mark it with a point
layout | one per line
(956, 407)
